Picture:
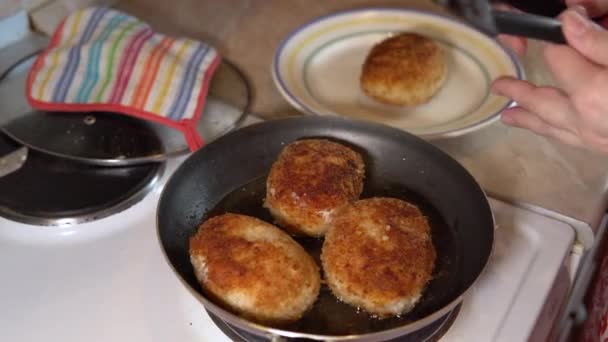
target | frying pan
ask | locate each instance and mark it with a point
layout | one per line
(229, 175)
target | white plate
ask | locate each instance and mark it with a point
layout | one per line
(317, 69)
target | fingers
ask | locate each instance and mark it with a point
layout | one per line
(570, 69)
(519, 117)
(550, 104)
(588, 38)
(594, 7)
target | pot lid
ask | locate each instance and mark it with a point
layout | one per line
(104, 138)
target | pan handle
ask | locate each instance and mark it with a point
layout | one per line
(529, 25)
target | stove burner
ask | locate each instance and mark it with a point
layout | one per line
(431, 333)
(48, 190)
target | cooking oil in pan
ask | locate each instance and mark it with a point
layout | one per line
(330, 316)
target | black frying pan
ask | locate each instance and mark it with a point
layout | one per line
(229, 175)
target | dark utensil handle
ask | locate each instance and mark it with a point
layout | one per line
(529, 25)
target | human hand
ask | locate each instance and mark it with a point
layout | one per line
(576, 113)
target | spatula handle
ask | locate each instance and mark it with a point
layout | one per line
(530, 26)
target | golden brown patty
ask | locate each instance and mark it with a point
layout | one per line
(310, 179)
(406, 69)
(378, 255)
(254, 268)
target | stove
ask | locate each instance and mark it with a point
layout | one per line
(101, 275)
(107, 280)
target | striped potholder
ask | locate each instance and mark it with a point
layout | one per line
(100, 59)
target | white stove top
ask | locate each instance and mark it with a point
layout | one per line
(108, 281)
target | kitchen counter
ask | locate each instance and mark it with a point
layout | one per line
(511, 164)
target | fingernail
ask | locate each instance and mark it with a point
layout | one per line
(577, 24)
(579, 9)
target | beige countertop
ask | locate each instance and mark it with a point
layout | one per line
(511, 164)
